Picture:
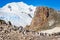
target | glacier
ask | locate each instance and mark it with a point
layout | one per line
(18, 13)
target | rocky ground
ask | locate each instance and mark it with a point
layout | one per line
(10, 32)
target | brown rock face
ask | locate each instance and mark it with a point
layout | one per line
(42, 17)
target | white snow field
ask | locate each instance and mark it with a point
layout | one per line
(19, 13)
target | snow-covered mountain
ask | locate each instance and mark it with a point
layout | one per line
(19, 13)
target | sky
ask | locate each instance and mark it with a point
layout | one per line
(49, 3)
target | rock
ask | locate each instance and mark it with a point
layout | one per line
(44, 18)
(2, 22)
(1, 28)
(9, 23)
(20, 29)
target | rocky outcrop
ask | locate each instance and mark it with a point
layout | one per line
(44, 18)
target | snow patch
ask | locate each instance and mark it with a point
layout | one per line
(51, 31)
(51, 22)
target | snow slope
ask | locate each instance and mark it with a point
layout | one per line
(19, 13)
(51, 31)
